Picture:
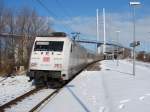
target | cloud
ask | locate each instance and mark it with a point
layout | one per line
(84, 25)
(114, 22)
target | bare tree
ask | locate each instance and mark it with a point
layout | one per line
(31, 25)
(10, 40)
(40, 25)
(1, 29)
(26, 23)
(1, 16)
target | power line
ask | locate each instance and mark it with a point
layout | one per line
(51, 13)
(63, 9)
(65, 12)
(46, 8)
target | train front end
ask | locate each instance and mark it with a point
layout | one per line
(47, 60)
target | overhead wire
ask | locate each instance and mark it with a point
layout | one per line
(62, 8)
(46, 8)
(66, 13)
(66, 25)
(52, 13)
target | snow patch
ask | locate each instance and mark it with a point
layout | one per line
(102, 109)
(121, 106)
(125, 101)
(13, 87)
(148, 94)
(142, 98)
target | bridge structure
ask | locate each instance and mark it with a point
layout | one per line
(102, 47)
(112, 50)
(99, 44)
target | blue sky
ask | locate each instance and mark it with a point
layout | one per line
(77, 7)
(79, 15)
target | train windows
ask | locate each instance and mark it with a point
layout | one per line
(42, 43)
(49, 46)
(41, 46)
(56, 46)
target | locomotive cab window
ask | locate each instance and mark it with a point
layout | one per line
(56, 46)
(49, 46)
(41, 46)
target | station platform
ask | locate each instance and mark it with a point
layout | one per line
(110, 89)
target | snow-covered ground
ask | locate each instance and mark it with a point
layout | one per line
(146, 64)
(28, 103)
(2, 79)
(113, 89)
(13, 87)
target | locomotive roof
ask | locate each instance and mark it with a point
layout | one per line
(54, 34)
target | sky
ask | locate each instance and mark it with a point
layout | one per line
(80, 16)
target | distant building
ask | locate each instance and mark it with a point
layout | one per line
(113, 51)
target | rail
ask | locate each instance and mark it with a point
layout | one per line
(14, 101)
(56, 91)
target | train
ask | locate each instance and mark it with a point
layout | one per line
(57, 58)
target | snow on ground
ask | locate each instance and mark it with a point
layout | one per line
(13, 87)
(146, 64)
(113, 89)
(28, 103)
(2, 78)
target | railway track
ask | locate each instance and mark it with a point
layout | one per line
(14, 101)
(45, 99)
(14, 104)
(3, 79)
(93, 66)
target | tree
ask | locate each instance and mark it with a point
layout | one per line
(22, 28)
(1, 16)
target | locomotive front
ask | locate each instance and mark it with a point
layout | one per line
(47, 60)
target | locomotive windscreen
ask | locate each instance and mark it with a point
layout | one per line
(49, 46)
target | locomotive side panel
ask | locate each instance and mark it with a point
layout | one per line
(65, 66)
(77, 58)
